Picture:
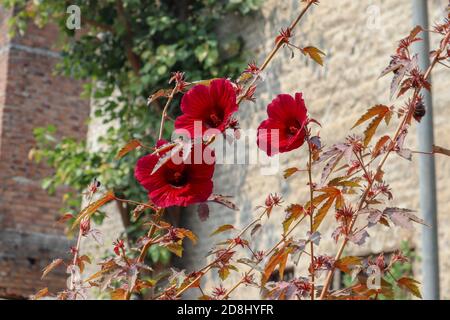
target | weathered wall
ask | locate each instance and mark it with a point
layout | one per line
(31, 96)
(358, 48)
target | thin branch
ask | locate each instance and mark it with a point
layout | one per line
(311, 214)
(380, 166)
(164, 112)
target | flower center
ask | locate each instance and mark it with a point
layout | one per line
(215, 120)
(177, 178)
(293, 130)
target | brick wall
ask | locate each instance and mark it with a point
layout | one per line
(31, 96)
(357, 48)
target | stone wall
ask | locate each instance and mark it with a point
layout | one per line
(31, 96)
(358, 43)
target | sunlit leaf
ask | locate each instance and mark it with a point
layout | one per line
(51, 266)
(371, 129)
(221, 229)
(314, 54)
(294, 211)
(380, 145)
(289, 172)
(93, 207)
(118, 294)
(130, 146)
(41, 293)
(175, 248)
(411, 285)
(347, 263)
(375, 111)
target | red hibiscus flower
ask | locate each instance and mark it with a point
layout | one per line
(285, 129)
(176, 183)
(212, 106)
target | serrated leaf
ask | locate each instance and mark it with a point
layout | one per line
(314, 54)
(130, 146)
(50, 267)
(379, 146)
(93, 207)
(317, 200)
(189, 234)
(289, 172)
(294, 211)
(371, 129)
(332, 194)
(411, 285)
(375, 111)
(329, 167)
(403, 217)
(222, 228)
(175, 248)
(374, 216)
(359, 238)
(345, 264)
(318, 218)
(223, 200)
(41, 293)
(279, 257)
(335, 154)
(118, 294)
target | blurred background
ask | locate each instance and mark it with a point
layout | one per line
(74, 82)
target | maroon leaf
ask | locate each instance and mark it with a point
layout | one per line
(374, 217)
(203, 211)
(403, 217)
(405, 153)
(219, 198)
(256, 229)
(359, 238)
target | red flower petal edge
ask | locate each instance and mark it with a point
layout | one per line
(285, 128)
(211, 106)
(177, 183)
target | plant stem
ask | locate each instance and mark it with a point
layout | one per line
(146, 247)
(274, 51)
(311, 211)
(382, 162)
(164, 112)
(267, 253)
(78, 245)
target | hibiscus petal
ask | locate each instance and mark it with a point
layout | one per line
(281, 108)
(188, 123)
(197, 102)
(268, 137)
(224, 96)
(300, 109)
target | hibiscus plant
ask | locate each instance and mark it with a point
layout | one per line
(179, 172)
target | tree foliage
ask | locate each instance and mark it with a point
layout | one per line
(124, 51)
